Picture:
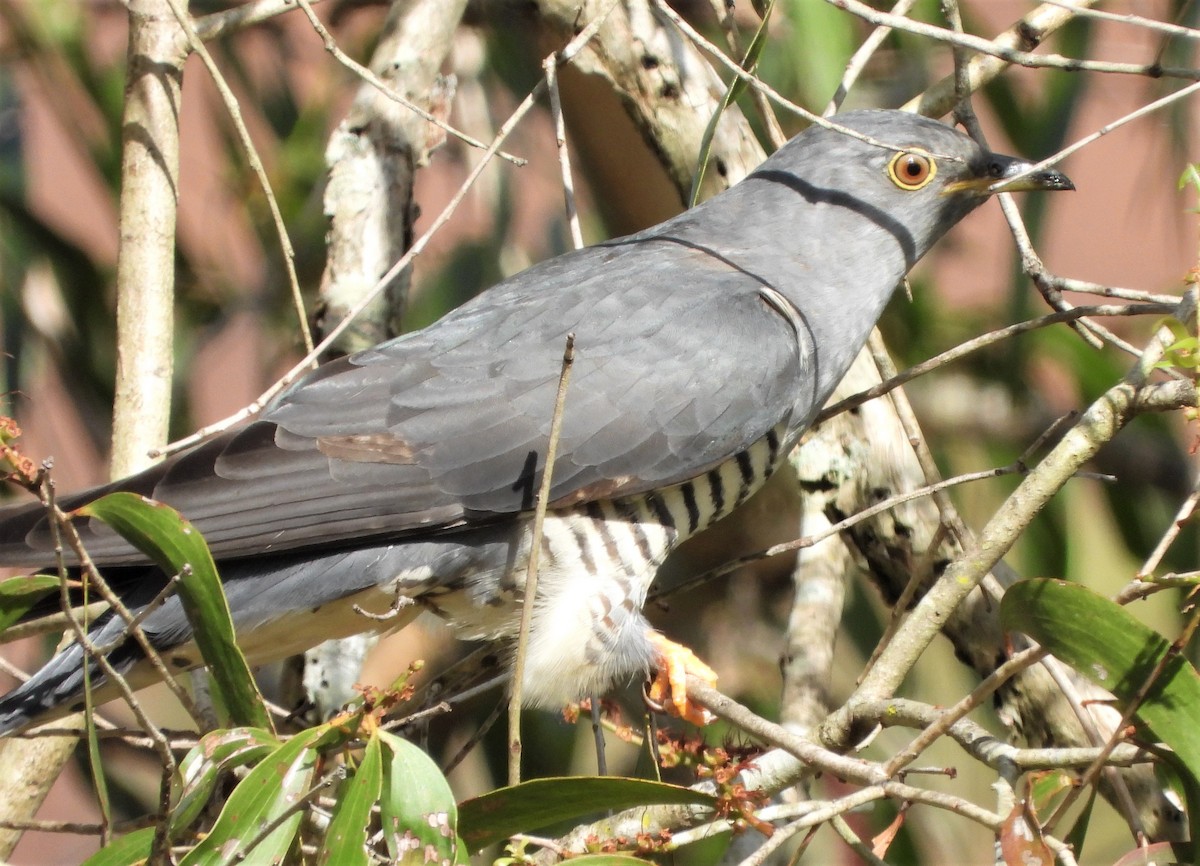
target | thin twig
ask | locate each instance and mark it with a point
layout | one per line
(254, 161)
(1130, 19)
(820, 815)
(754, 81)
(60, 526)
(1033, 267)
(240, 851)
(565, 55)
(531, 570)
(218, 24)
(391, 93)
(847, 834)
(1068, 284)
(1136, 590)
(79, 629)
(367, 298)
(1027, 33)
(988, 339)
(1135, 702)
(1112, 126)
(550, 65)
(597, 716)
(860, 58)
(1066, 684)
(855, 770)
(477, 735)
(55, 622)
(1182, 516)
(76, 827)
(96, 579)
(1097, 425)
(1010, 55)
(138, 618)
(984, 746)
(984, 690)
(725, 13)
(907, 418)
(841, 526)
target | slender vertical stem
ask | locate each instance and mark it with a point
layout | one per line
(531, 573)
(146, 258)
(145, 325)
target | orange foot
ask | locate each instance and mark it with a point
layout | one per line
(669, 688)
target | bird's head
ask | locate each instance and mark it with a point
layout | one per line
(909, 175)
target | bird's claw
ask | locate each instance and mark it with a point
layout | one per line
(668, 689)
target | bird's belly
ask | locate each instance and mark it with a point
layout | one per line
(596, 564)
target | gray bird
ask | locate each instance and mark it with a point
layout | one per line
(704, 348)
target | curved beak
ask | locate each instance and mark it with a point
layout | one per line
(1007, 174)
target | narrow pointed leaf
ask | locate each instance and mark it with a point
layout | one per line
(1105, 643)
(735, 89)
(270, 792)
(18, 595)
(131, 849)
(533, 805)
(420, 818)
(346, 838)
(174, 544)
(216, 753)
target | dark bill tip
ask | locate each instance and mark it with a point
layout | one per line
(1014, 175)
(1005, 174)
(1046, 179)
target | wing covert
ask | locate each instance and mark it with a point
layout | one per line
(448, 425)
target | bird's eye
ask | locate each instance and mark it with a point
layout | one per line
(911, 169)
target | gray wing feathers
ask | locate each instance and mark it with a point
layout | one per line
(449, 425)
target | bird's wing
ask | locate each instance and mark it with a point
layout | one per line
(680, 364)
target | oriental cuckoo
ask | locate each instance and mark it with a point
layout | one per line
(704, 347)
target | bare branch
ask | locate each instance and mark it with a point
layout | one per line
(1102, 420)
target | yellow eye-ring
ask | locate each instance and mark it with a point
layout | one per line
(912, 169)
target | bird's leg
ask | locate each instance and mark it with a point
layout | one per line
(669, 687)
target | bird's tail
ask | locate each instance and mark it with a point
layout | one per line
(58, 687)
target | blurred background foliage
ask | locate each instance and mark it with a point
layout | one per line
(61, 84)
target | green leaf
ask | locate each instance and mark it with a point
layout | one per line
(1182, 353)
(18, 595)
(609, 860)
(92, 741)
(1105, 643)
(346, 839)
(736, 87)
(217, 752)
(268, 794)
(173, 543)
(128, 850)
(533, 805)
(417, 806)
(1190, 177)
(1047, 789)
